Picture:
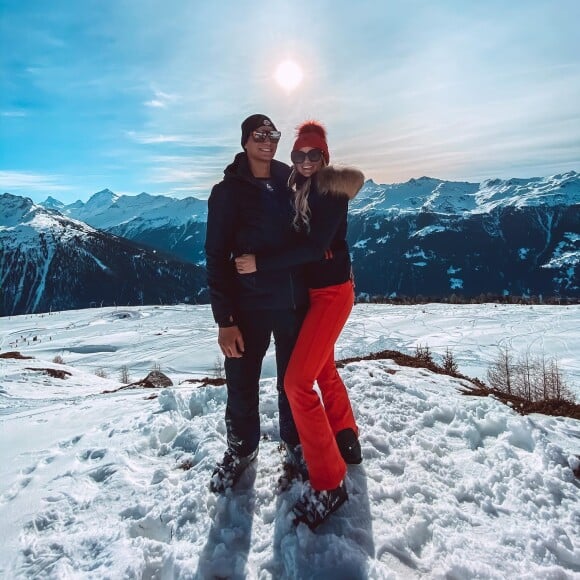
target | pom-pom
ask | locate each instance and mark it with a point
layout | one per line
(311, 127)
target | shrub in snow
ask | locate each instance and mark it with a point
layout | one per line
(449, 363)
(423, 353)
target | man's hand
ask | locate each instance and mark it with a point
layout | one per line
(246, 264)
(231, 342)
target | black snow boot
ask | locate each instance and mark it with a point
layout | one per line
(294, 466)
(349, 446)
(315, 506)
(227, 473)
(295, 458)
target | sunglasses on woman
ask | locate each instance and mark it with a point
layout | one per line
(314, 155)
(261, 136)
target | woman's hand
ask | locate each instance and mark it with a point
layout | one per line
(246, 264)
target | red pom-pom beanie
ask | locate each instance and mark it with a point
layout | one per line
(312, 134)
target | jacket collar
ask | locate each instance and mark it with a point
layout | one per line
(239, 169)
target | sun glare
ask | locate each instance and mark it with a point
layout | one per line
(288, 75)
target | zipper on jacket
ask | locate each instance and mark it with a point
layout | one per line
(292, 290)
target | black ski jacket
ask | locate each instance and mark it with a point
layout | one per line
(324, 251)
(250, 216)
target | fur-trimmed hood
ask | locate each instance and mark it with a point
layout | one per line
(340, 181)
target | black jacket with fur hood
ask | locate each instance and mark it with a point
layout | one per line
(330, 191)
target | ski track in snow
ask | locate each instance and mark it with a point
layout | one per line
(450, 487)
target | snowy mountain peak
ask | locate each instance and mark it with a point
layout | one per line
(562, 189)
(52, 203)
(52, 260)
(421, 194)
(14, 209)
(428, 194)
(102, 198)
(423, 180)
(24, 220)
(131, 215)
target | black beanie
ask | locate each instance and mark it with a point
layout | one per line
(252, 123)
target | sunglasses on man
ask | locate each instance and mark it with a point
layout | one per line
(261, 136)
(314, 155)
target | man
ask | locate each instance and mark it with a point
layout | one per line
(250, 211)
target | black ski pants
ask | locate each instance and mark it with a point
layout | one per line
(243, 376)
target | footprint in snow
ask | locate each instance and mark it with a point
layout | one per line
(93, 454)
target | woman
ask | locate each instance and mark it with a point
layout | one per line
(328, 432)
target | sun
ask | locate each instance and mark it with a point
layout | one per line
(288, 75)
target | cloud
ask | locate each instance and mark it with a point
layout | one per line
(186, 174)
(13, 114)
(155, 103)
(162, 100)
(198, 191)
(17, 180)
(148, 139)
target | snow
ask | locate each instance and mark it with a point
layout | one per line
(450, 486)
(464, 198)
(399, 197)
(98, 262)
(428, 231)
(565, 257)
(566, 252)
(417, 253)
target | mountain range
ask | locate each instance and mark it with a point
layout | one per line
(426, 237)
(433, 237)
(49, 261)
(164, 223)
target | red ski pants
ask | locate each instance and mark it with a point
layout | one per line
(313, 360)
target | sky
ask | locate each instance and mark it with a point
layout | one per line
(148, 95)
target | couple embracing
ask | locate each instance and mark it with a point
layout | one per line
(278, 264)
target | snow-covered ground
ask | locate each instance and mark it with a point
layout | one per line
(451, 486)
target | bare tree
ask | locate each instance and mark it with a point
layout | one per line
(525, 376)
(559, 390)
(218, 368)
(124, 376)
(501, 371)
(544, 386)
(534, 378)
